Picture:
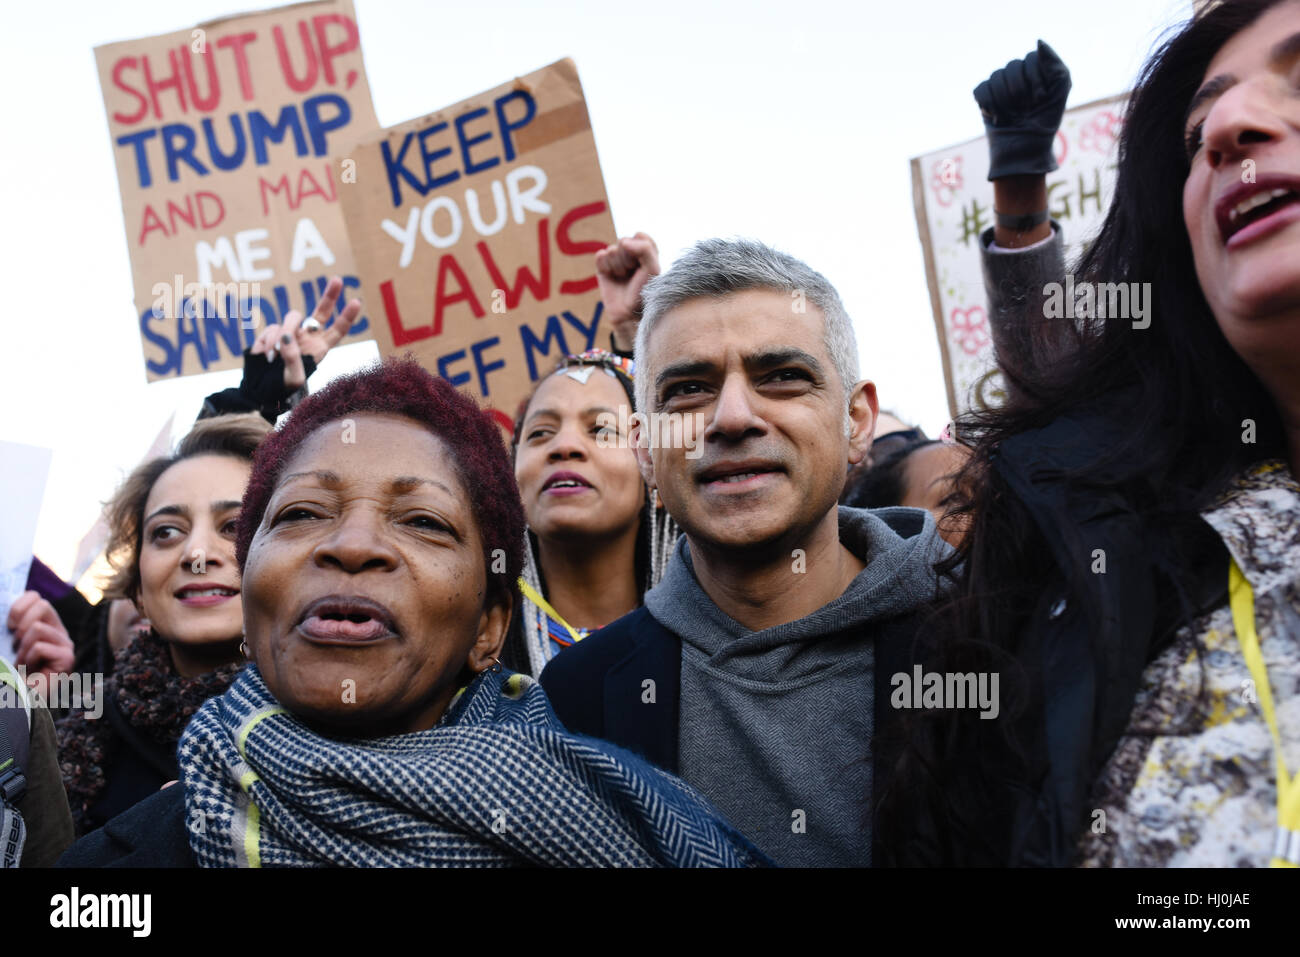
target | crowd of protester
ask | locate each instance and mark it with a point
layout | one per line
(377, 634)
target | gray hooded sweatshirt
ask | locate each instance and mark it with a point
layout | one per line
(775, 726)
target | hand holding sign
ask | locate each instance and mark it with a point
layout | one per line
(622, 270)
(41, 643)
(296, 338)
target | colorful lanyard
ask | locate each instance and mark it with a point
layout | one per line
(1286, 845)
(533, 595)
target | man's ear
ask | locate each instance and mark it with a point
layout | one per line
(640, 438)
(863, 408)
(493, 627)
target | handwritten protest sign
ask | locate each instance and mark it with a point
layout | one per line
(954, 205)
(22, 486)
(222, 137)
(475, 231)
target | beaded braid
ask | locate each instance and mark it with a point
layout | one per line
(664, 533)
(534, 641)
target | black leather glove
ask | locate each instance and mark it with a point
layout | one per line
(262, 389)
(263, 381)
(1022, 105)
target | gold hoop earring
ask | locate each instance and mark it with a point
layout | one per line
(243, 649)
(496, 668)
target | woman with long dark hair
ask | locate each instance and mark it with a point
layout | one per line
(1131, 567)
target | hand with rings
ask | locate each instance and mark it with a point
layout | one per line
(312, 336)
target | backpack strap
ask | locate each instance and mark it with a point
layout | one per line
(15, 746)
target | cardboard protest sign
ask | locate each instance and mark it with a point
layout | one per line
(22, 486)
(223, 137)
(954, 205)
(475, 231)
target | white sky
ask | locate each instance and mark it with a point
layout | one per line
(789, 122)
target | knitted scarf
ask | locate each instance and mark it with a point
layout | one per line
(498, 782)
(153, 698)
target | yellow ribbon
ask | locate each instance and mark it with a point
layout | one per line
(533, 595)
(1286, 846)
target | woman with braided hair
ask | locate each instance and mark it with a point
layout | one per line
(596, 540)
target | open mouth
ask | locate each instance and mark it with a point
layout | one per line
(340, 619)
(566, 483)
(201, 596)
(1252, 210)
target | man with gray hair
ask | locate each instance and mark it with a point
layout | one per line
(759, 668)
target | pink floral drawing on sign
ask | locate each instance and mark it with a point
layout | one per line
(970, 329)
(945, 179)
(1100, 133)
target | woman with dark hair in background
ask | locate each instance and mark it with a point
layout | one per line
(171, 546)
(915, 474)
(116, 751)
(1131, 568)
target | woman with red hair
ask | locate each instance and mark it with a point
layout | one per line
(379, 542)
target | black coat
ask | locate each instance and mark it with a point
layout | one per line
(1091, 635)
(150, 834)
(591, 685)
(140, 766)
(1083, 647)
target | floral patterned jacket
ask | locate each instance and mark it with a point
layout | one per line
(1192, 783)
